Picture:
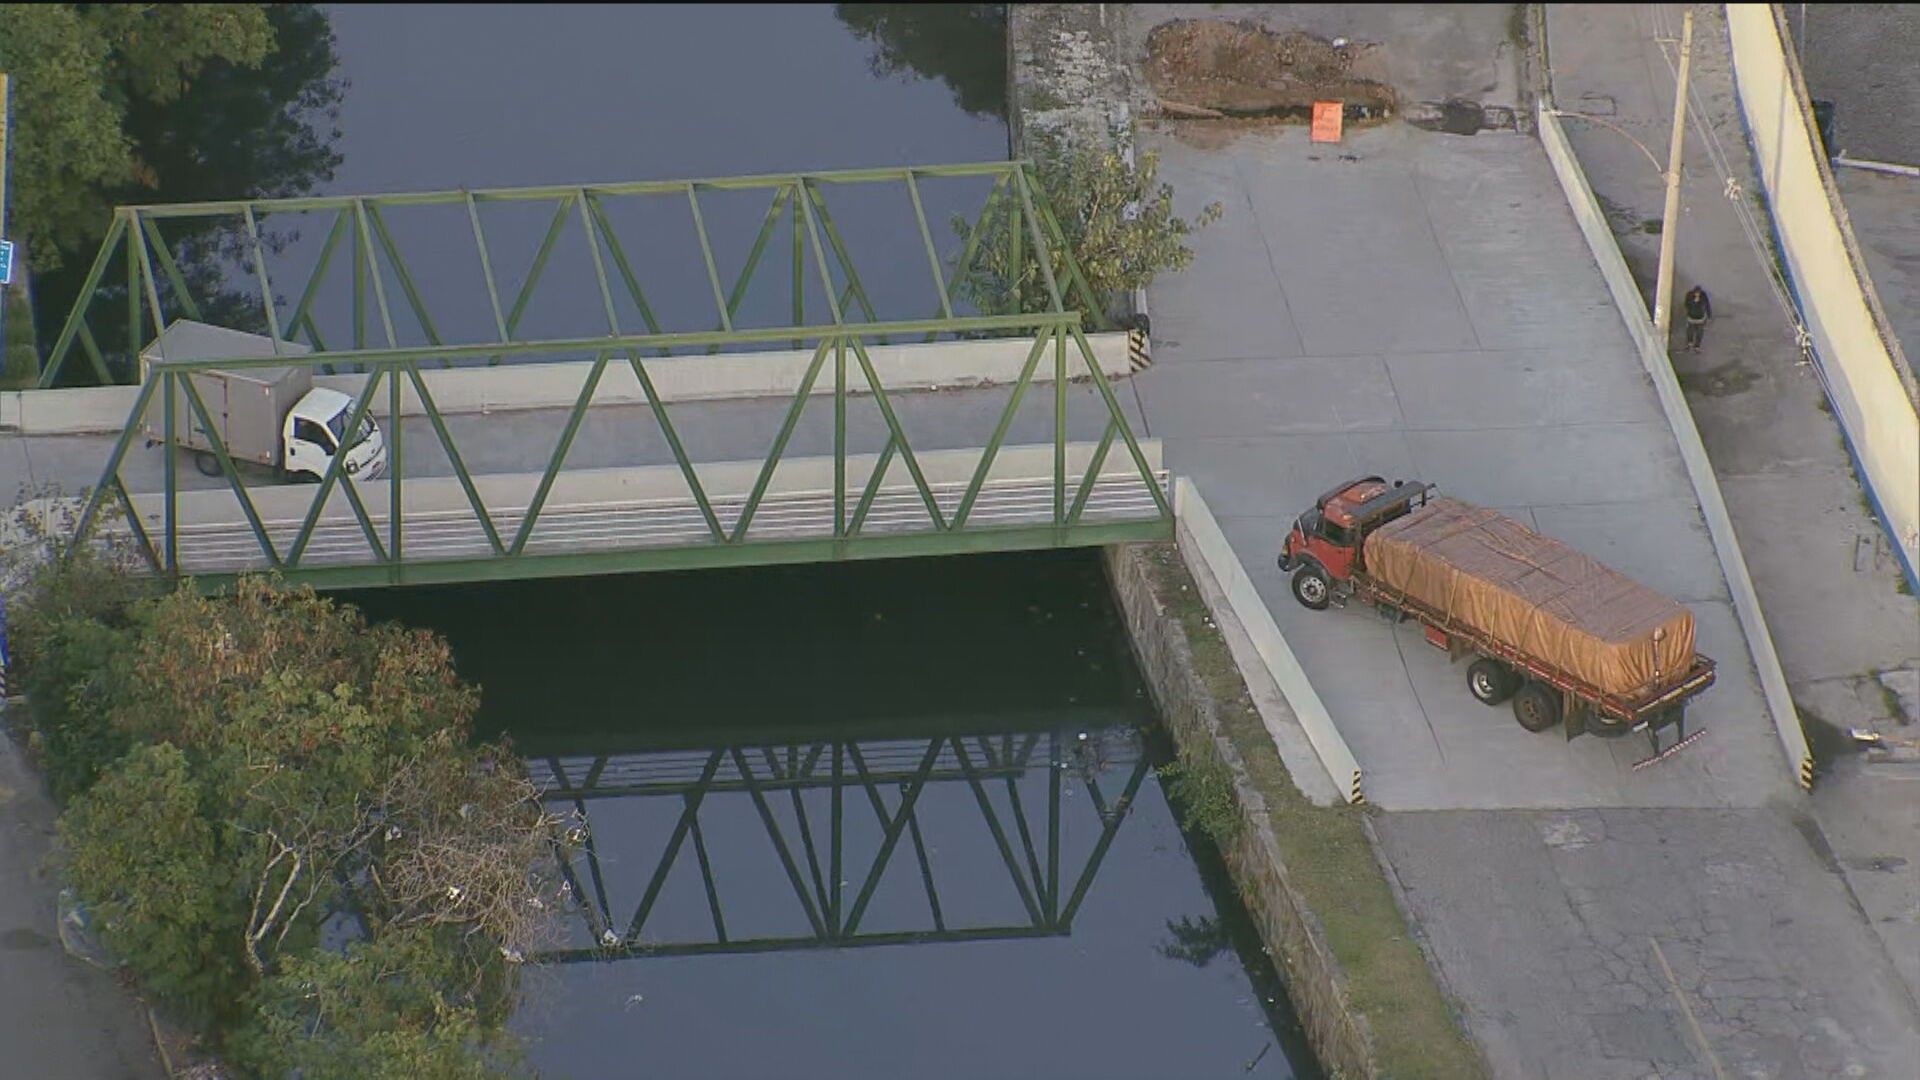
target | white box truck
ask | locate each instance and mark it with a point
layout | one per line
(271, 416)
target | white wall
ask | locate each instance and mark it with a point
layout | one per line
(1869, 398)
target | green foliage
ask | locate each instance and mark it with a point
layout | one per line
(71, 644)
(75, 67)
(135, 104)
(17, 349)
(394, 1008)
(1202, 794)
(245, 768)
(141, 852)
(1118, 222)
(84, 665)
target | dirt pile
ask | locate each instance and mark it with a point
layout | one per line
(1208, 67)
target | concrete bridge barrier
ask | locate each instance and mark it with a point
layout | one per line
(941, 365)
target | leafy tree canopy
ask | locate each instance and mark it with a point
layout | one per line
(76, 68)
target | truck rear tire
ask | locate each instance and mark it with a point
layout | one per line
(206, 463)
(1490, 681)
(1536, 706)
(1311, 588)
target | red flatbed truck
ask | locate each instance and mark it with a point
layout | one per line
(1572, 643)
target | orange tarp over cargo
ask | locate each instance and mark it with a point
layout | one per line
(1535, 594)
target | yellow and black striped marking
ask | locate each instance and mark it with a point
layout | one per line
(1139, 350)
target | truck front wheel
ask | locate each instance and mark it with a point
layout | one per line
(1490, 681)
(1311, 588)
(206, 463)
(1536, 707)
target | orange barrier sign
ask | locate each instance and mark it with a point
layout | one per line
(1326, 121)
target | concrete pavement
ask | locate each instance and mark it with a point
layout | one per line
(1847, 637)
(1419, 304)
(59, 1018)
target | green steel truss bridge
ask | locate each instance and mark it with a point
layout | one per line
(366, 321)
(844, 823)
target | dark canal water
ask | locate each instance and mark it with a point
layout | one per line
(1000, 871)
(1106, 952)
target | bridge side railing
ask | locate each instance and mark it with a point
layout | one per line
(843, 348)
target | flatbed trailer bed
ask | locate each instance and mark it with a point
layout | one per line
(1583, 706)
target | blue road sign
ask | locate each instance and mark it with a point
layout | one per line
(6, 262)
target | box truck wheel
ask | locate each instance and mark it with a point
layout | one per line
(1536, 706)
(206, 463)
(1490, 681)
(1311, 588)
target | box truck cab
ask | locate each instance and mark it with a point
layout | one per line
(316, 430)
(269, 416)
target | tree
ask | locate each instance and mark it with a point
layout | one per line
(76, 67)
(325, 767)
(125, 104)
(72, 644)
(141, 852)
(962, 45)
(1119, 225)
(388, 1009)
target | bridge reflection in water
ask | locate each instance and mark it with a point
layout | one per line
(1014, 818)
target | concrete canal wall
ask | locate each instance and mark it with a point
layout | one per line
(1287, 926)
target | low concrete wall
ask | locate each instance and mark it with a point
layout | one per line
(942, 365)
(1202, 542)
(1873, 395)
(1706, 487)
(1291, 933)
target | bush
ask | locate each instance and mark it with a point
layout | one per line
(1118, 222)
(141, 852)
(391, 1009)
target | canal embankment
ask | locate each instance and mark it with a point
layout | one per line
(1307, 874)
(1299, 851)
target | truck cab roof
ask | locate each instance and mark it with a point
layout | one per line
(321, 405)
(1370, 500)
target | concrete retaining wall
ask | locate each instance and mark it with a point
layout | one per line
(943, 365)
(1659, 368)
(1291, 933)
(1203, 543)
(1852, 341)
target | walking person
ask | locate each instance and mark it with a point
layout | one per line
(1699, 312)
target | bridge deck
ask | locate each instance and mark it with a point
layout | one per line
(613, 520)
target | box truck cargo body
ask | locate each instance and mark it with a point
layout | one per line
(269, 416)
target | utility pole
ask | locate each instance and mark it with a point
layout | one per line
(1670, 220)
(6, 100)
